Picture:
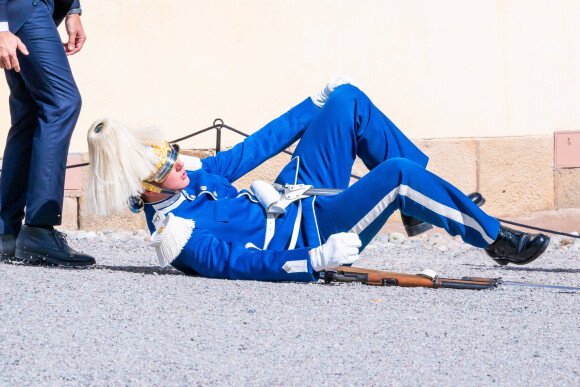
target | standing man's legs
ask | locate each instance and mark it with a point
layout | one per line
(45, 105)
(48, 78)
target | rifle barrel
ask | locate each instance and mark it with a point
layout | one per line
(463, 284)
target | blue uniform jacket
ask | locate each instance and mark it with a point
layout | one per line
(230, 226)
(15, 12)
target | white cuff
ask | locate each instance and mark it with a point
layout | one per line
(4, 26)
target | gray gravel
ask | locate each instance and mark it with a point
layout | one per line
(127, 322)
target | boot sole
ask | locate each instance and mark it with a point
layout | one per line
(6, 257)
(36, 258)
(25, 258)
(418, 229)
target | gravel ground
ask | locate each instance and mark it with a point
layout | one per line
(127, 322)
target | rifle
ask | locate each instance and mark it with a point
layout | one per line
(427, 279)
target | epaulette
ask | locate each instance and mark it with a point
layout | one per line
(171, 237)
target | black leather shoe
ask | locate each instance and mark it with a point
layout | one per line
(517, 247)
(38, 245)
(7, 247)
(414, 226)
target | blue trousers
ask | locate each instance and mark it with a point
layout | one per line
(44, 107)
(349, 125)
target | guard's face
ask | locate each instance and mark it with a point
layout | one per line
(177, 178)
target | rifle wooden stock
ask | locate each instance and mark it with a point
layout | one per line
(386, 278)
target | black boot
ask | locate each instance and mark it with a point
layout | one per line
(414, 226)
(7, 247)
(36, 245)
(517, 247)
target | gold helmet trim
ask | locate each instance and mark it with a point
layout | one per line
(167, 155)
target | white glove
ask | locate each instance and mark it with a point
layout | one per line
(338, 250)
(320, 98)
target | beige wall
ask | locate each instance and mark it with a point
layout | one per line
(439, 69)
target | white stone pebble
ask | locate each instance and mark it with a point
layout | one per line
(397, 238)
(567, 241)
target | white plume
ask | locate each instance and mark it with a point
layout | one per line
(119, 162)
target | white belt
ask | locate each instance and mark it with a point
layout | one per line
(270, 228)
(275, 204)
(296, 227)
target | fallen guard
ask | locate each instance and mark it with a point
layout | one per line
(201, 224)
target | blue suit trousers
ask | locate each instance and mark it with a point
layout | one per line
(349, 125)
(44, 106)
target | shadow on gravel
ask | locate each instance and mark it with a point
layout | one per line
(543, 270)
(150, 270)
(528, 269)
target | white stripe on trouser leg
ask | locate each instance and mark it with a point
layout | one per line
(430, 204)
(375, 212)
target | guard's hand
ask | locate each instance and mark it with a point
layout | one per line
(320, 98)
(338, 250)
(9, 43)
(76, 34)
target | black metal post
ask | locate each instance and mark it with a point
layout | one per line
(218, 137)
